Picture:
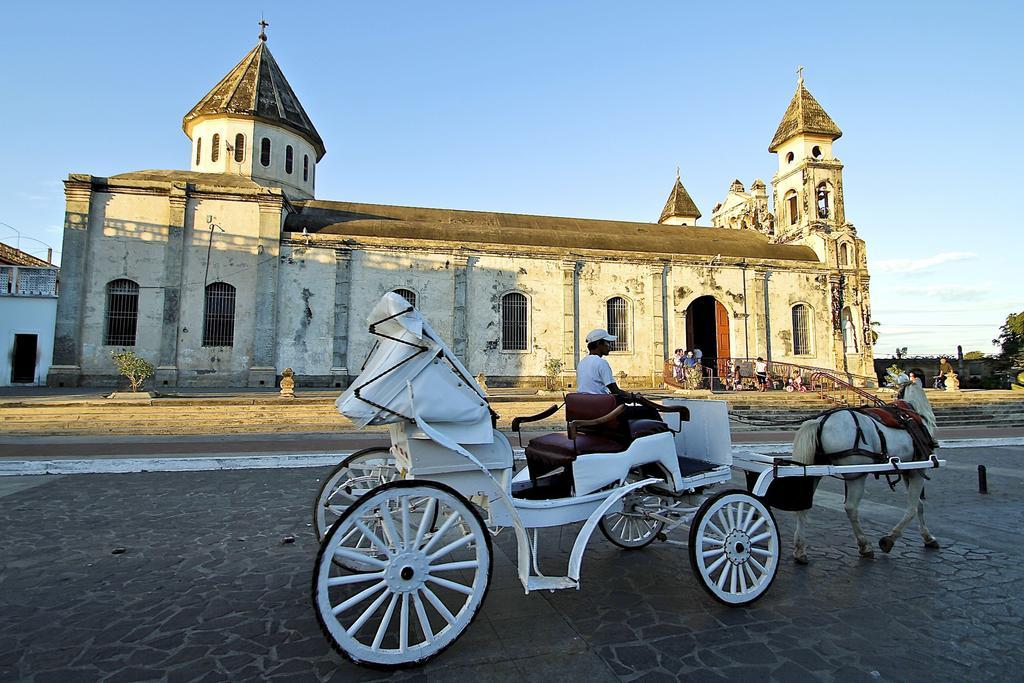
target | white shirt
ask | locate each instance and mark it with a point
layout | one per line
(593, 375)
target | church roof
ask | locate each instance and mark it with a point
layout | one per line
(679, 203)
(400, 225)
(257, 88)
(804, 115)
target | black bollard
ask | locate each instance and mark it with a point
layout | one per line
(982, 479)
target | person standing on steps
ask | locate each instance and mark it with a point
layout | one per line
(761, 370)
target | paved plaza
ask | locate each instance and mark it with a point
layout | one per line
(205, 576)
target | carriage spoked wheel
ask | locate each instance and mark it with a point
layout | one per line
(422, 589)
(355, 475)
(631, 528)
(734, 547)
(348, 481)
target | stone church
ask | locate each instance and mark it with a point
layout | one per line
(231, 271)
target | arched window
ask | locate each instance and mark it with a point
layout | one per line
(844, 254)
(122, 313)
(289, 154)
(801, 330)
(849, 332)
(265, 151)
(219, 315)
(618, 322)
(789, 158)
(199, 150)
(406, 294)
(793, 206)
(215, 148)
(514, 322)
(822, 198)
(239, 148)
(305, 167)
(816, 152)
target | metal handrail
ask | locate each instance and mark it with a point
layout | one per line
(826, 383)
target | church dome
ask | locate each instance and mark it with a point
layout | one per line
(256, 88)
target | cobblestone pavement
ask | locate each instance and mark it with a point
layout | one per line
(207, 589)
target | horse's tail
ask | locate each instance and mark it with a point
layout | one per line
(805, 443)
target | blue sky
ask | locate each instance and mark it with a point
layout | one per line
(579, 109)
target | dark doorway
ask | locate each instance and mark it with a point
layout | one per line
(23, 360)
(707, 328)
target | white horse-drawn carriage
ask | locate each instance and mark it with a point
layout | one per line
(405, 565)
(406, 557)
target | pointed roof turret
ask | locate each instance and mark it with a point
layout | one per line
(804, 115)
(679, 203)
(257, 88)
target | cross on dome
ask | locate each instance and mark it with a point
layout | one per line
(263, 28)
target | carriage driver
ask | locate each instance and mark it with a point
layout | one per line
(594, 375)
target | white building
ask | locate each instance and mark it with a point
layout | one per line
(28, 312)
(231, 271)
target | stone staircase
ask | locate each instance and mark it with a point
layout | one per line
(315, 413)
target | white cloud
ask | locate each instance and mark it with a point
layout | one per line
(948, 292)
(901, 265)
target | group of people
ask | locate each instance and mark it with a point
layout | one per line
(687, 365)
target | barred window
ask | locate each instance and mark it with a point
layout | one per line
(618, 323)
(199, 150)
(215, 147)
(122, 313)
(239, 148)
(265, 151)
(801, 330)
(289, 155)
(514, 322)
(219, 315)
(406, 294)
(305, 167)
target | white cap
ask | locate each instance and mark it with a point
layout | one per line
(598, 335)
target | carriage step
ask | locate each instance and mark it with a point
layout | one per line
(550, 583)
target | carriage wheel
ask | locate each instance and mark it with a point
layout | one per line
(422, 590)
(631, 529)
(734, 547)
(350, 479)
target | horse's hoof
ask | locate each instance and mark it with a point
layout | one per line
(933, 544)
(801, 559)
(886, 544)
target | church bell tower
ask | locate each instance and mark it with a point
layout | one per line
(808, 187)
(252, 124)
(809, 209)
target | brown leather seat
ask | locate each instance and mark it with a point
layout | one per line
(640, 428)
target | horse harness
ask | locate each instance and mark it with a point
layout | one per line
(892, 415)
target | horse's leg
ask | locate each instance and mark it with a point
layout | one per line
(915, 485)
(799, 542)
(854, 494)
(929, 540)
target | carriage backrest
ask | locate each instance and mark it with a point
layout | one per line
(591, 407)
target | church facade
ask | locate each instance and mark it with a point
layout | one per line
(231, 271)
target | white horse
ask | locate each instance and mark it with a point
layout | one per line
(840, 434)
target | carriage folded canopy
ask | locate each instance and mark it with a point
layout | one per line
(410, 354)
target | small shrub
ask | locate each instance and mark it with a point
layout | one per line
(552, 369)
(137, 370)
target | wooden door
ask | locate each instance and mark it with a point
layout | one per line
(722, 350)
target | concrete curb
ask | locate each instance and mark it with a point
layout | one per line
(230, 461)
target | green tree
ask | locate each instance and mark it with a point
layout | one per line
(974, 355)
(136, 369)
(1011, 339)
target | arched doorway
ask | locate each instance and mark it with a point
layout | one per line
(707, 328)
